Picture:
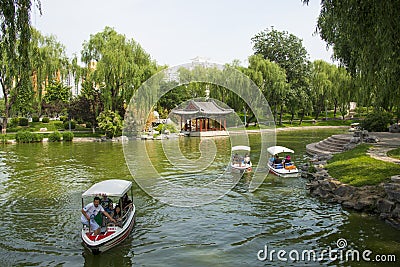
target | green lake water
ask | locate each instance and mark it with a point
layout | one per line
(40, 199)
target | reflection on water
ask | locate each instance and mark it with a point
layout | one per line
(41, 184)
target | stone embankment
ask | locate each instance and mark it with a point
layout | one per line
(382, 199)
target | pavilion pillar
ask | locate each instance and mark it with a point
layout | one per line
(208, 124)
(181, 123)
(225, 124)
(197, 126)
(220, 124)
(201, 125)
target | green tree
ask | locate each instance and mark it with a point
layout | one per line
(50, 65)
(14, 55)
(321, 85)
(119, 66)
(365, 39)
(287, 51)
(110, 122)
(271, 79)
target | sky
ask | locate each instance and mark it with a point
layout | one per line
(175, 31)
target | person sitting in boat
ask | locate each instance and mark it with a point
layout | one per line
(90, 211)
(287, 161)
(126, 202)
(277, 160)
(117, 214)
(106, 203)
(235, 158)
(271, 160)
(246, 159)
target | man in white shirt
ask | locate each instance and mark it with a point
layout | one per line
(90, 211)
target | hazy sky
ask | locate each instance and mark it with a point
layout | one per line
(175, 31)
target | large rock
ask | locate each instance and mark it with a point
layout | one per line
(384, 206)
(366, 203)
(396, 212)
(393, 191)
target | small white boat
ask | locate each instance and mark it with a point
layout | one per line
(110, 235)
(283, 169)
(241, 158)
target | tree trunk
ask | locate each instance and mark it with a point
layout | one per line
(292, 118)
(334, 111)
(280, 116)
(302, 116)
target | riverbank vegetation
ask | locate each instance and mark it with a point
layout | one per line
(395, 153)
(113, 67)
(355, 167)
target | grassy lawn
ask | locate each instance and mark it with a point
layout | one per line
(356, 168)
(395, 153)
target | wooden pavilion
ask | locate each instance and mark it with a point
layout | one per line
(203, 118)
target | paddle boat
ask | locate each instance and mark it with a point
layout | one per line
(111, 234)
(241, 158)
(285, 167)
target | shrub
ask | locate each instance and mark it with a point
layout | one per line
(35, 119)
(68, 136)
(79, 121)
(63, 118)
(3, 138)
(66, 125)
(14, 122)
(55, 136)
(45, 120)
(110, 122)
(88, 125)
(28, 137)
(23, 121)
(58, 125)
(377, 122)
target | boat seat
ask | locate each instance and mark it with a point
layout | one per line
(278, 166)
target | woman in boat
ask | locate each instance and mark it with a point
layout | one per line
(287, 161)
(117, 214)
(126, 202)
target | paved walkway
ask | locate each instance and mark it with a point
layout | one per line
(387, 141)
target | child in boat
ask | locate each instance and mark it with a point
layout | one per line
(105, 203)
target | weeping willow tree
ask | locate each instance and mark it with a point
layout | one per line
(15, 70)
(365, 36)
(119, 66)
(50, 65)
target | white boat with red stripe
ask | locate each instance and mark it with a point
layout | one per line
(111, 234)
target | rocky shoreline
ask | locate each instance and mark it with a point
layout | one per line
(382, 200)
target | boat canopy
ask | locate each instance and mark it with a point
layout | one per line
(236, 148)
(114, 187)
(279, 149)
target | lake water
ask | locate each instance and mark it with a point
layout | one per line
(40, 199)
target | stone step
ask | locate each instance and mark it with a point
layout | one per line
(332, 143)
(328, 148)
(312, 150)
(337, 141)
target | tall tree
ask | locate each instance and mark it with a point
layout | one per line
(271, 79)
(15, 68)
(50, 65)
(365, 36)
(119, 66)
(287, 51)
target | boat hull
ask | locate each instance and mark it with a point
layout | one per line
(284, 172)
(242, 168)
(110, 241)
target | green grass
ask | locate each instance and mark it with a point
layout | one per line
(395, 153)
(356, 168)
